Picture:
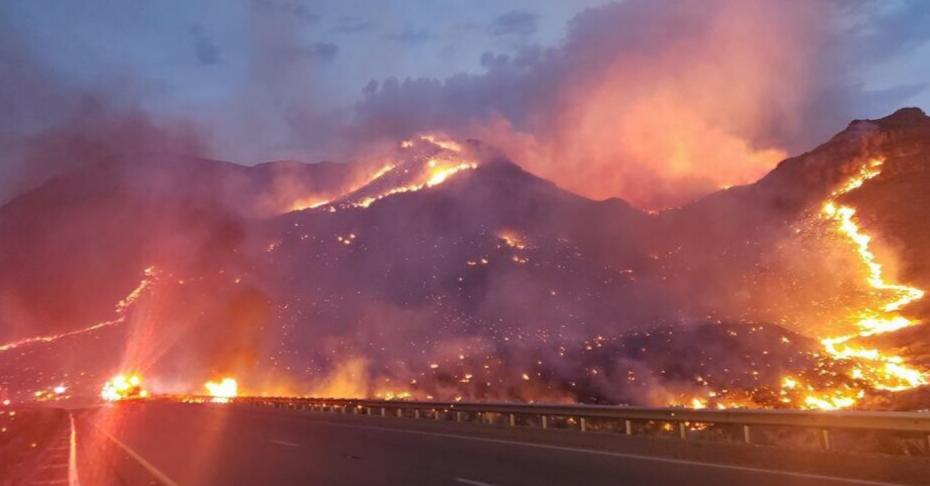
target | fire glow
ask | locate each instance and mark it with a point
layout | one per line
(438, 172)
(123, 387)
(869, 369)
(222, 391)
(121, 307)
(437, 169)
(878, 370)
(316, 202)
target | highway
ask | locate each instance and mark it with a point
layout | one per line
(173, 444)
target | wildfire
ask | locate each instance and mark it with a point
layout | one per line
(711, 401)
(308, 203)
(435, 170)
(58, 392)
(223, 390)
(123, 387)
(316, 202)
(437, 173)
(880, 371)
(794, 390)
(442, 143)
(393, 395)
(121, 307)
(512, 240)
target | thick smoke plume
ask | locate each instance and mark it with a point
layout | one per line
(653, 101)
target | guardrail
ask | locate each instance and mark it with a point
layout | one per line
(581, 416)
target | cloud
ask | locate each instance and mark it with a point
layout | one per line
(322, 51)
(352, 25)
(294, 9)
(515, 22)
(205, 49)
(657, 102)
(410, 36)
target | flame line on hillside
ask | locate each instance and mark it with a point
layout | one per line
(121, 307)
(880, 371)
(313, 202)
(437, 175)
(440, 167)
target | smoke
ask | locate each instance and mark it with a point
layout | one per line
(50, 126)
(655, 102)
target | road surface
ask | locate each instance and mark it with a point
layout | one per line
(151, 444)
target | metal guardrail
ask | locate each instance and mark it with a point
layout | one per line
(581, 415)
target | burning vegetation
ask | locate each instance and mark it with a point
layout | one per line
(223, 390)
(870, 368)
(446, 272)
(124, 387)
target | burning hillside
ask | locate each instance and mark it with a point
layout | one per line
(427, 161)
(439, 269)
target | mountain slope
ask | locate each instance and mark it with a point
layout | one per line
(453, 272)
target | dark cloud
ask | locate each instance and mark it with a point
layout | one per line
(467, 27)
(321, 51)
(295, 9)
(352, 25)
(410, 36)
(516, 22)
(205, 49)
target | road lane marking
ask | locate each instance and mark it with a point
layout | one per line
(284, 443)
(160, 476)
(624, 455)
(471, 482)
(72, 454)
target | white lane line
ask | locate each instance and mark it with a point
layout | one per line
(471, 482)
(624, 455)
(72, 454)
(160, 476)
(284, 443)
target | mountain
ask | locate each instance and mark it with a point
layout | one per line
(104, 224)
(449, 271)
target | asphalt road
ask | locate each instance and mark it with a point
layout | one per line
(150, 444)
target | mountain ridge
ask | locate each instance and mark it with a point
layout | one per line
(491, 262)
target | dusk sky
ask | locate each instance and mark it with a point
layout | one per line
(194, 57)
(310, 80)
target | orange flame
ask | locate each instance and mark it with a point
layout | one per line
(223, 390)
(123, 387)
(121, 307)
(880, 371)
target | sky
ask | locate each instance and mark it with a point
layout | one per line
(194, 57)
(653, 101)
